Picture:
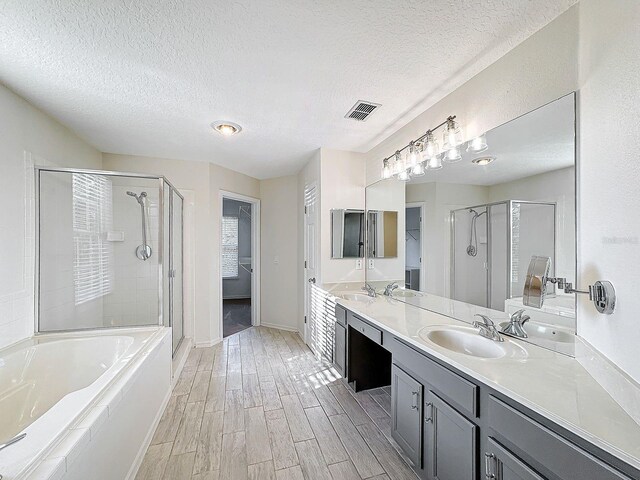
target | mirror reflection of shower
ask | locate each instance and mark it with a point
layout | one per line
(143, 252)
(472, 249)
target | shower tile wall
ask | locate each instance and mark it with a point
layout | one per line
(134, 300)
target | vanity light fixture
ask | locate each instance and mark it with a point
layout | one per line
(478, 144)
(226, 128)
(482, 161)
(424, 153)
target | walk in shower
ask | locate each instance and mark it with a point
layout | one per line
(109, 248)
(491, 246)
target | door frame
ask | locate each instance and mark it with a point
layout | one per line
(255, 256)
(423, 254)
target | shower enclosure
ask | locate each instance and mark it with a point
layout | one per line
(109, 251)
(491, 246)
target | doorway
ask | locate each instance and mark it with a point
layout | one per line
(414, 274)
(238, 259)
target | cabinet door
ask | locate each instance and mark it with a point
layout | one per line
(406, 414)
(450, 444)
(500, 463)
(339, 350)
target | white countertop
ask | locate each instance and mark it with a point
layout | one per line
(549, 383)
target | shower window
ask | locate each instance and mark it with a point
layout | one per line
(92, 201)
(229, 247)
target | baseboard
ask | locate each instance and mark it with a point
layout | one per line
(279, 327)
(208, 343)
(176, 368)
(133, 471)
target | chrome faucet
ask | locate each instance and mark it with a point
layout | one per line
(487, 328)
(388, 290)
(515, 327)
(370, 290)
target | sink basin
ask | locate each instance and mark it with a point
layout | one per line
(467, 341)
(356, 297)
(546, 332)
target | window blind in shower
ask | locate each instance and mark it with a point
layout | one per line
(229, 247)
(92, 219)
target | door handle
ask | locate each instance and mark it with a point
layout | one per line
(312, 280)
(488, 473)
(429, 418)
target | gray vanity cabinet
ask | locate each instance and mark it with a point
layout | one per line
(501, 463)
(450, 442)
(406, 413)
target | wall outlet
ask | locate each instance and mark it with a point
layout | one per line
(359, 264)
(370, 265)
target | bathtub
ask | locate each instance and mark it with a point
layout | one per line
(59, 388)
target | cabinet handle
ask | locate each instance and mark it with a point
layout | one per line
(429, 418)
(415, 400)
(488, 473)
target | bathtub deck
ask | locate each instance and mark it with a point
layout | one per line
(261, 406)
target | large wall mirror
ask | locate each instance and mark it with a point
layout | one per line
(466, 232)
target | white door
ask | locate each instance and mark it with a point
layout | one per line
(310, 257)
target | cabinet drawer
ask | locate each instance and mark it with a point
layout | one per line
(364, 328)
(550, 450)
(460, 392)
(341, 316)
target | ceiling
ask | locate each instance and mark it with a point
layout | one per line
(147, 77)
(540, 141)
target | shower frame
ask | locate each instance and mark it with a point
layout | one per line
(163, 183)
(488, 206)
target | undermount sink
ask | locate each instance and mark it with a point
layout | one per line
(356, 297)
(546, 332)
(467, 341)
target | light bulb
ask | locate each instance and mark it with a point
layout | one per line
(478, 144)
(452, 136)
(435, 163)
(417, 170)
(430, 148)
(453, 155)
(404, 176)
(412, 156)
(386, 170)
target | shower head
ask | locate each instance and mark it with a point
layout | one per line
(139, 198)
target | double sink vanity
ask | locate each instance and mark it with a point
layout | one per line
(468, 310)
(467, 407)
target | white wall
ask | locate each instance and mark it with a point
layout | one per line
(342, 183)
(28, 137)
(279, 260)
(609, 223)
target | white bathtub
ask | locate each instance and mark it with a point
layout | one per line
(49, 384)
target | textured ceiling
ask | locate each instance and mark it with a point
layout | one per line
(147, 77)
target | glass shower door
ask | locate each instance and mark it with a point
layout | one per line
(177, 321)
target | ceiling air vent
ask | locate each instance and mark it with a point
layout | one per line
(362, 110)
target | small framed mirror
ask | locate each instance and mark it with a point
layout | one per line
(347, 233)
(382, 234)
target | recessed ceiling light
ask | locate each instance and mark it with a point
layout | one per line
(483, 160)
(226, 128)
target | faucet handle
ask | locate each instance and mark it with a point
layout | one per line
(487, 321)
(519, 317)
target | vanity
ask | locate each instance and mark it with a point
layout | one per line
(457, 421)
(488, 232)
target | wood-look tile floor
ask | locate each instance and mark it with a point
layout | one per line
(260, 405)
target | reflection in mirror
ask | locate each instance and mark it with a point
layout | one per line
(347, 233)
(470, 228)
(382, 234)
